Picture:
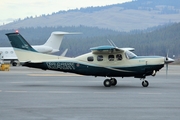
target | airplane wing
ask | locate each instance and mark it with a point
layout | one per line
(109, 49)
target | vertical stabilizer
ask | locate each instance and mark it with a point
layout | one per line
(55, 40)
(24, 51)
(17, 41)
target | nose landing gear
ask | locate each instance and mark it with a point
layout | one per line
(145, 83)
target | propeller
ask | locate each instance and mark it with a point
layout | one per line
(167, 61)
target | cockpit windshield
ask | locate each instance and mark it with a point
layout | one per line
(130, 55)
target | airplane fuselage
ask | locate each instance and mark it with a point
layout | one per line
(138, 66)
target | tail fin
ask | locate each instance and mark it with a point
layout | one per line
(55, 40)
(24, 51)
(17, 41)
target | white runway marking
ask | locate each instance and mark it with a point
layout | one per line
(150, 93)
(16, 82)
(60, 92)
(16, 91)
(39, 92)
(105, 92)
(71, 92)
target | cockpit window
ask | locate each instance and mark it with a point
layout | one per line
(130, 55)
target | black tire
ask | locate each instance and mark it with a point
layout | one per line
(14, 64)
(107, 83)
(113, 81)
(145, 83)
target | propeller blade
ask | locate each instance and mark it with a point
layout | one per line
(167, 61)
(166, 70)
(167, 55)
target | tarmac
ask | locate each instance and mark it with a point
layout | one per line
(32, 94)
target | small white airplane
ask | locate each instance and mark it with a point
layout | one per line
(52, 45)
(106, 61)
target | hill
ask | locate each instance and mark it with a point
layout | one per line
(139, 14)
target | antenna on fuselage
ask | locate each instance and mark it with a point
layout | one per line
(111, 43)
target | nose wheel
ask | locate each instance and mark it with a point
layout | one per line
(110, 82)
(145, 83)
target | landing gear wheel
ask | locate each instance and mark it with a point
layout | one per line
(14, 64)
(107, 83)
(113, 81)
(145, 83)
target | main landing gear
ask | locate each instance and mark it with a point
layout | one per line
(110, 82)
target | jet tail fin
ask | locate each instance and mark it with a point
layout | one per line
(55, 40)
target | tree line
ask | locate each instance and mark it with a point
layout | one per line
(146, 42)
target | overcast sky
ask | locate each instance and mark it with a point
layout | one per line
(14, 9)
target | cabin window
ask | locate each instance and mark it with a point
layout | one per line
(119, 57)
(11, 52)
(6, 52)
(99, 58)
(91, 58)
(111, 57)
